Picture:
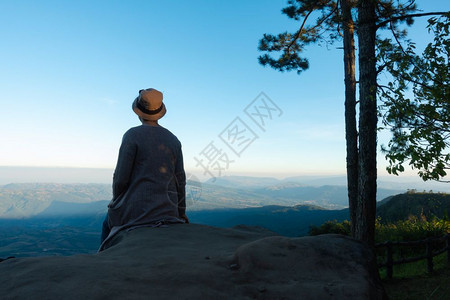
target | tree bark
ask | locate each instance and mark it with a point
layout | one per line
(351, 133)
(367, 183)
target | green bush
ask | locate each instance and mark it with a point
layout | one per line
(413, 229)
(331, 227)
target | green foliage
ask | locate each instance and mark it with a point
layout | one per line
(413, 229)
(419, 124)
(331, 227)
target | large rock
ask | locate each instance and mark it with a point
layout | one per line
(189, 261)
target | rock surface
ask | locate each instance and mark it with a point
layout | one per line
(190, 261)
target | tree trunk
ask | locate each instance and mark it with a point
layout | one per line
(351, 134)
(367, 183)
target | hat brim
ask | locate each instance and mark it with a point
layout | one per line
(145, 116)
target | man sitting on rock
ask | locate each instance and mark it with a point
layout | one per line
(149, 180)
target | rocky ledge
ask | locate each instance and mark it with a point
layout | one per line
(191, 261)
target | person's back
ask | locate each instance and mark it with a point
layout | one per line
(146, 180)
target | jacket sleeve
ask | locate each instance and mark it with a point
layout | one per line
(181, 184)
(124, 167)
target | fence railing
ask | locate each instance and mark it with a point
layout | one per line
(429, 253)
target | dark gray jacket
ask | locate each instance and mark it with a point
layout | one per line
(149, 179)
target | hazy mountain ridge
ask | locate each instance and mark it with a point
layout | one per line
(260, 182)
(326, 196)
(385, 182)
(286, 193)
(24, 200)
(28, 199)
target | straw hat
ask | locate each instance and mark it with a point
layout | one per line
(149, 105)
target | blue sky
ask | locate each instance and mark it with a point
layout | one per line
(71, 69)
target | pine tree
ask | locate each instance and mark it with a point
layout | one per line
(337, 19)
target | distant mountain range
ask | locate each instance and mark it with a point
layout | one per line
(23, 200)
(384, 182)
(30, 199)
(244, 191)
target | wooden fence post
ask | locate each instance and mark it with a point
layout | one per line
(429, 256)
(389, 260)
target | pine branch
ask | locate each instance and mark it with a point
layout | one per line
(299, 32)
(381, 24)
(325, 18)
